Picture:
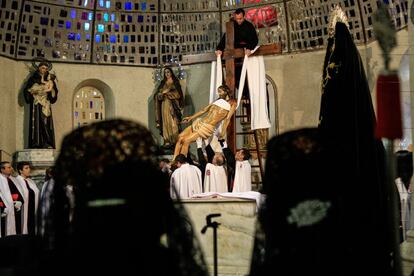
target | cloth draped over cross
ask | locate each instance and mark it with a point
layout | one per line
(254, 69)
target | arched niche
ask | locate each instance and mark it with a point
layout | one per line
(104, 89)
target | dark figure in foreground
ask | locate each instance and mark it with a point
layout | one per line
(299, 230)
(107, 182)
(347, 124)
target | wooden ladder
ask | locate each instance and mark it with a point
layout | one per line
(244, 116)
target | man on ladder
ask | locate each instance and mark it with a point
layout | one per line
(241, 40)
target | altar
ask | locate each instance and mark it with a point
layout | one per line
(235, 234)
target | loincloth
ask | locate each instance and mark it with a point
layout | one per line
(203, 129)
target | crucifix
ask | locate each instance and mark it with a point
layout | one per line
(229, 55)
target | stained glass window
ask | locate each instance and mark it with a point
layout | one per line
(88, 106)
(149, 32)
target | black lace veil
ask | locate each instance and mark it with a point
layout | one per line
(298, 222)
(112, 210)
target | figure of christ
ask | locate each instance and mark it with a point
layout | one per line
(219, 111)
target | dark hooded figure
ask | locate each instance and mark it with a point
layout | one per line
(298, 230)
(347, 124)
(112, 212)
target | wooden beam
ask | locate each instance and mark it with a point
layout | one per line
(198, 58)
(264, 50)
(268, 49)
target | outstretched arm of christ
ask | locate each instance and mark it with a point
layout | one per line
(196, 115)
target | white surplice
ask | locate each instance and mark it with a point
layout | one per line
(215, 179)
(8, 201)
(243, 177)
(32, 186)
(185, 181)
(405, 202)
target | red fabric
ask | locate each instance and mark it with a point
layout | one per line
(388, 107)
(262, 17)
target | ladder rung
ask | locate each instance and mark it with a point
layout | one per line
(244, 133)
(254, 150)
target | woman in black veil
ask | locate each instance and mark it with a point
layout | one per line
(298, 230)
(112, 212)
(325, 211)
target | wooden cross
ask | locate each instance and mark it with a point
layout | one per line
(229, 55)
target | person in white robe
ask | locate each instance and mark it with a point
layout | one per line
(405, 201)
(31, 198)
(243, 175)
(185, 180)
(8, 211)
(215, 176)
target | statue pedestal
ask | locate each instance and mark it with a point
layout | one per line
(40, 160)
(235, 234)
(407, 254)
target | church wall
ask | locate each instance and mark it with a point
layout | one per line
(298, 81)
(131, 87)
(8, 108)
(297, 77)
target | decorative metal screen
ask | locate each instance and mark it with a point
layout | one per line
(152, 32)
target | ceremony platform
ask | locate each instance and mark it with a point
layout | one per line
(235, 233)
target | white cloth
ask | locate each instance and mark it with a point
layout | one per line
(254, 68)
(256, 77)
(185, 181)
(243, 177)
(36, 191)
(216, 78)
(405, 201)
(222, 104)
(215, 179)
(8, 201)
(258, 197)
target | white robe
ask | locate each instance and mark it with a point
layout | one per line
(215, 179)
(33, 186)
(243, 177)
(8, 201)
(185, 181)
(405, 201)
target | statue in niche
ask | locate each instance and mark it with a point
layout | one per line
(169, 104)
(40, 91)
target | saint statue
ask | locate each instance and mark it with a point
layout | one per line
(169, 104)
(41, 92)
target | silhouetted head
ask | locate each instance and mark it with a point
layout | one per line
(107, 186)
(405, 166)
(297, 222)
